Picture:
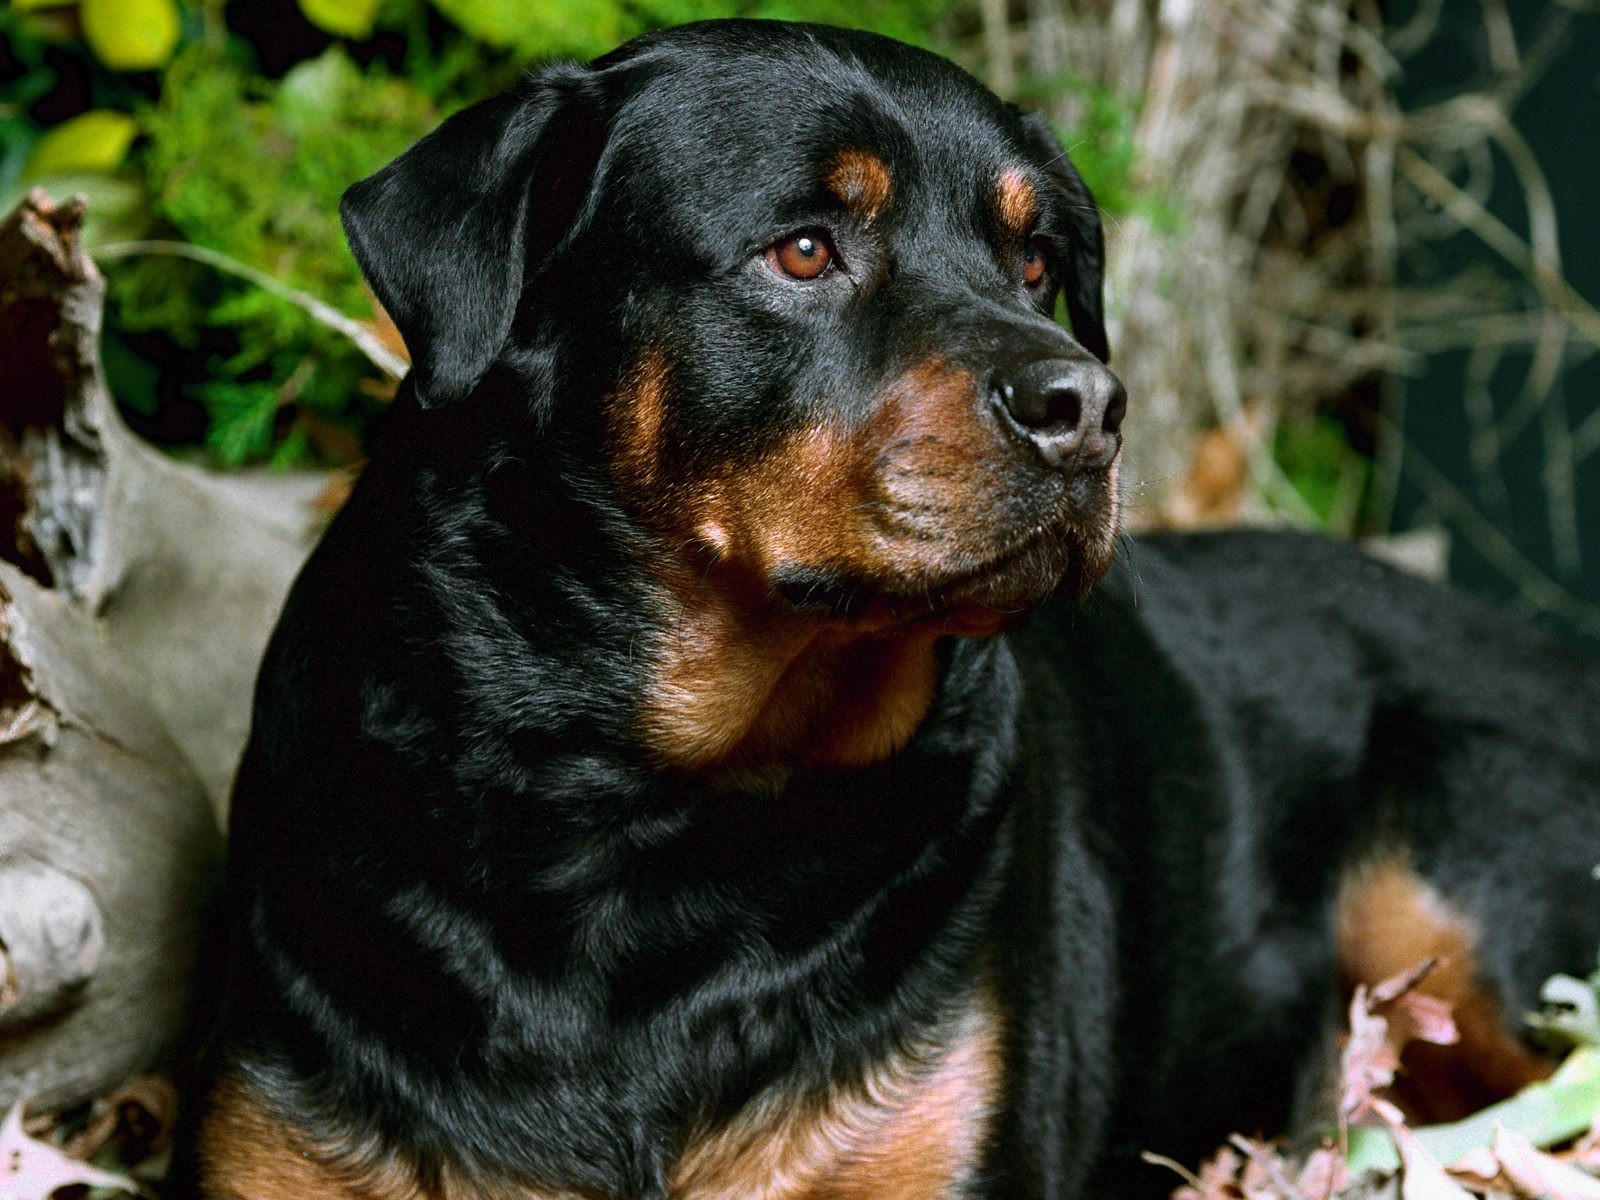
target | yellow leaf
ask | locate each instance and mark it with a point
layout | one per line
(91, 141)
(581, 28)
(130, 35)
(343, 18)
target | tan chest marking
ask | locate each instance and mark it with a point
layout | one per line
(914, 1129)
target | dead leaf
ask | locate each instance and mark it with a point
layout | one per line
(1421, 1176)
(32, 1170)
(1218, 1178)
(1477, 1166)
(135, 1120)
(1537, 1175)
(1264, 1176)
(1382, 1021)
(1323, 1175)
(1586, 1150)
(1367, 1062)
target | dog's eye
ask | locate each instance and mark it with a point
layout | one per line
(1035, 258)
(803, 255)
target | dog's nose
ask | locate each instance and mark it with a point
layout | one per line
(1070, 409)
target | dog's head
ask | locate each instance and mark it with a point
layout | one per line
(790, 290)
(801, 284)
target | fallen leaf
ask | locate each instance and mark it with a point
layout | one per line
(1382, 1022)
(1265, 1176)
(32, 1170)
(136, 1120)
(1478, 1164)
(1367, 1062)
(1323, 1175)
(1218, 1178)
(1537, 1175)
(1421, 1176)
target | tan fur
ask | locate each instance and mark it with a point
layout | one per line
(743, 688)
(861, 181)
(911, 1130)
(742, 684)
(248, 1154)
(1017, 202)
(1390, 920)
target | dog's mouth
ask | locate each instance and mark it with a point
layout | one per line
(975, 594)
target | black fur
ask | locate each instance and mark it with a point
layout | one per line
(479, 929)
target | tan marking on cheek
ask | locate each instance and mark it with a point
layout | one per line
(861, 181)
(940, 452)
(1389, 920)
(1017, 202)
(636, 425)
(739, 682)
(913, 1129)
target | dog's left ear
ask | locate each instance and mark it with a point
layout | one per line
(1080, 216)
(448, 233)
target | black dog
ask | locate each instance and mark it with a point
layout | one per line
(643, 801)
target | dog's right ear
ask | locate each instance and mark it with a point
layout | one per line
(448, 233)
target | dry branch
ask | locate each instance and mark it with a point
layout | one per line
(1259, 303)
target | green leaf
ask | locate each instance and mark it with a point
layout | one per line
(1547, 1114)
(313, 88)
(130, 35)
(342, 18)
(91, 141)
(582, 28)
(242, 417)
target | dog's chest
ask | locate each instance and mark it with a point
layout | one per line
(914, 1128)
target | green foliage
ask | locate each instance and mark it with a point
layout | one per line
(1316, 457)
(586, 28)
(254, 170)
(97, 140)
(1571, 1015)
(343, 18)
(1104, 149)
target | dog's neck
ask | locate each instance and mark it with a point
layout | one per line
(713, 678)
(743, 691)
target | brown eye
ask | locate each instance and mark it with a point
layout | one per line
(801, 256)
(1035, 258)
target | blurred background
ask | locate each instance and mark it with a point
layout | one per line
(1353, 264)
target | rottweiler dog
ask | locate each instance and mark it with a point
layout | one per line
(713, 755)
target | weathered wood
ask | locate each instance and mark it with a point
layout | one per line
(136, 594)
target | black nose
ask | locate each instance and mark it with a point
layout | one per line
(1070, 409)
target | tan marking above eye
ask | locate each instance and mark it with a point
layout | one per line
(1016, 201)
(803, 255)
(861, 181)
(1035, 261)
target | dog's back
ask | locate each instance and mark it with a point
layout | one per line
(1292, 769)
